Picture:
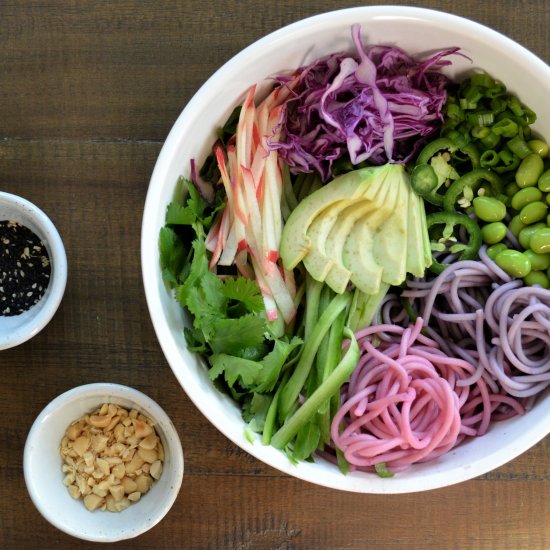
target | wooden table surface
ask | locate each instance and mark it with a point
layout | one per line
(89, 90)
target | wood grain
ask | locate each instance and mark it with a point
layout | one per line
(88, 93)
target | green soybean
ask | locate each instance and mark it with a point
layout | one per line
(489, 209)
(529, 170)
(493, 233)
(527, 232)
(544, 182)
(495, 249)
(533, 212)
(514, 262)
(540, 241)
(539, 147)
(516, 225)
(538, 261)
(537, 278)
(525, 196)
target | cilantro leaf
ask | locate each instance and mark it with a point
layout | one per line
(196, 204)
(197, 270)
(273, 362)
(246, 292)
(234, 368)
(195, 340)
(232, 335)
(255, 411)
(214, 290)
(172, 255)
(176, 214)
(201, 310)
(256, 376)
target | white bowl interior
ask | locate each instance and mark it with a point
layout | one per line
(416, 30)
(17, 329)
(43, 462)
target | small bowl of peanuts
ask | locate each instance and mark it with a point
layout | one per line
(103, 462)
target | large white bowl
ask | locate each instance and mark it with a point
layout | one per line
(416, 30)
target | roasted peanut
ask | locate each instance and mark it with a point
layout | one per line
(111, 458)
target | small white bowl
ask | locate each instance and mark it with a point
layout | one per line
(42, 464)
(17, 329)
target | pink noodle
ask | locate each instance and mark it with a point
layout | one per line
(404, 403)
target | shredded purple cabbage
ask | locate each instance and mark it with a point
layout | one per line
(377, 106)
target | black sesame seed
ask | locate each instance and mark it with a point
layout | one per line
(24, 268)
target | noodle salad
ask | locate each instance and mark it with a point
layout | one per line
(365, 258)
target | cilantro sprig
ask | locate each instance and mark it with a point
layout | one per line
(229, 325)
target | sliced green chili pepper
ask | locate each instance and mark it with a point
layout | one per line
(424, 180)
(471, 181)
(434, 147)
(470, 152)
(450, 220)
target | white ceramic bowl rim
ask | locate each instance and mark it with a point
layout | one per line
(466, 461)
(41, 459)
(18, 329)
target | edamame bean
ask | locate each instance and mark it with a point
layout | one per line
(537, 278)
(540, 241)
(493, 233)
(516, 225)
(494, 249)
(489, 209)
(526, 233)
(514, 262)
(529, 170)
(533, 212)
(544, 182)
(538, 261)
(524, 196)
(539, 147)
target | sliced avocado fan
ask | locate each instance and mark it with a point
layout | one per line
(366, 227)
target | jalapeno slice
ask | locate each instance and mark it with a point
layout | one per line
(471, 180)
(446, 238)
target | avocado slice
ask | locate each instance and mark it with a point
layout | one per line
(390, 242)
(340, 273)
(295, 243)
(316, 261)
(338, 277)
(417, 259)
(340, 219)
(357, 251)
